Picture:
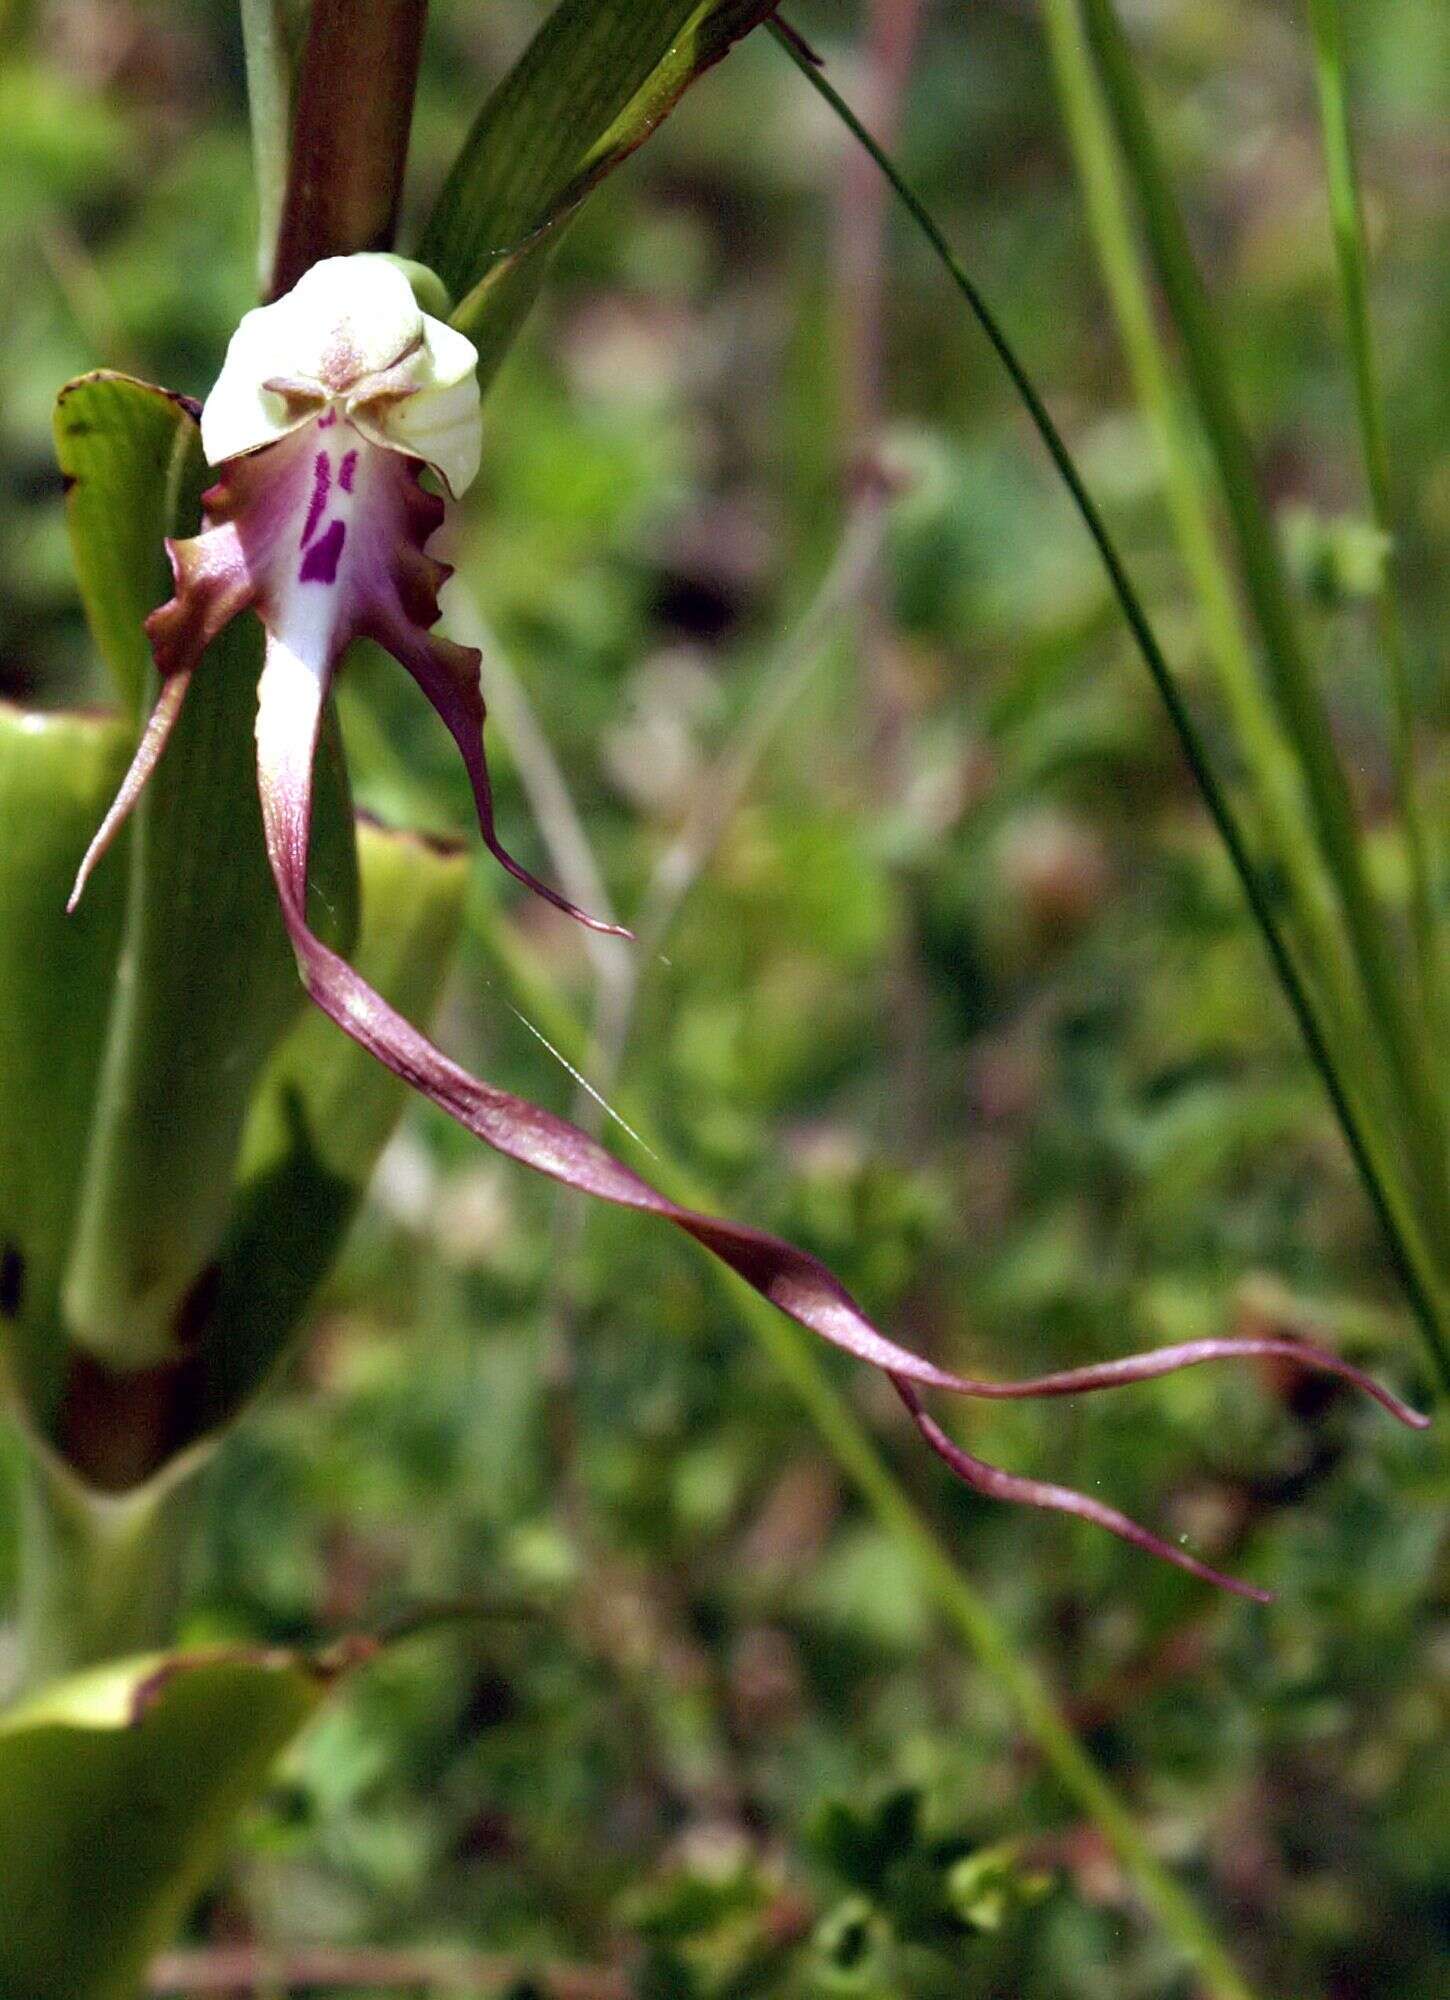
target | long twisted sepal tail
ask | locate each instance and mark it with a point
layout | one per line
(802, 1287)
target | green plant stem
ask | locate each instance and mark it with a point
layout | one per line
(959, 1604)
(1403, 1030)
(100, 1574)
(1346, 210)
(1418, 1269)
(269, 56)
(350, 134)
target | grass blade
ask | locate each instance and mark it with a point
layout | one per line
(1403, 1032)
(1352, 261)
(1276, 786)
(1259, 735)
(1418, 1268)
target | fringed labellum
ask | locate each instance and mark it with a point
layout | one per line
(332, 405)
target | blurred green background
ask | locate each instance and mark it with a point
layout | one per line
(962, 998)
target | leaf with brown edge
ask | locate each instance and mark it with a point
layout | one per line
(118, 1789)
(130, 457)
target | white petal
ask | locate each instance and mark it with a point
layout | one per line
(440, 421)
(355, 316)
(352, 328)
(240, 414)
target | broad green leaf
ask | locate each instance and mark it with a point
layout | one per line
(100, 1568)
(209, 982)
(320, 1118)
(595, 82)
(130, 455)
(117, 1792)
(57, 775)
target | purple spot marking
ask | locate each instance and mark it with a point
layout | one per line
(321, 487)
(319, 565)
(345, 476)
(326, 421)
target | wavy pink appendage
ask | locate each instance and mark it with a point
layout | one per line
(325, 536)
(791, 1279)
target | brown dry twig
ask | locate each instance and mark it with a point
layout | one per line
(238, 1970)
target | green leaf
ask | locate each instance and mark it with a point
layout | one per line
(57, 775)
(211, 983)
(130, 455)
(100, 1568)
(597, 79)
(853, 1946)
(1352, 261)
(117, 1791)
(321, 1116)
(988, 1887)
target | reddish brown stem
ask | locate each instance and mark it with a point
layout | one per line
(350, 132)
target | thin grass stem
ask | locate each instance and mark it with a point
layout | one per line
(1352, 261)
(1418, 1269)
(1276, 787)
(960, 1605)
(1403, 1030)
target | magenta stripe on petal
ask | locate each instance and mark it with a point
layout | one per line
(319, 564)
(321, 491)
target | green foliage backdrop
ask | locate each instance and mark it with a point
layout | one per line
(950, 983)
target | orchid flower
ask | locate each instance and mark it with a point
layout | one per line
(331, 405)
